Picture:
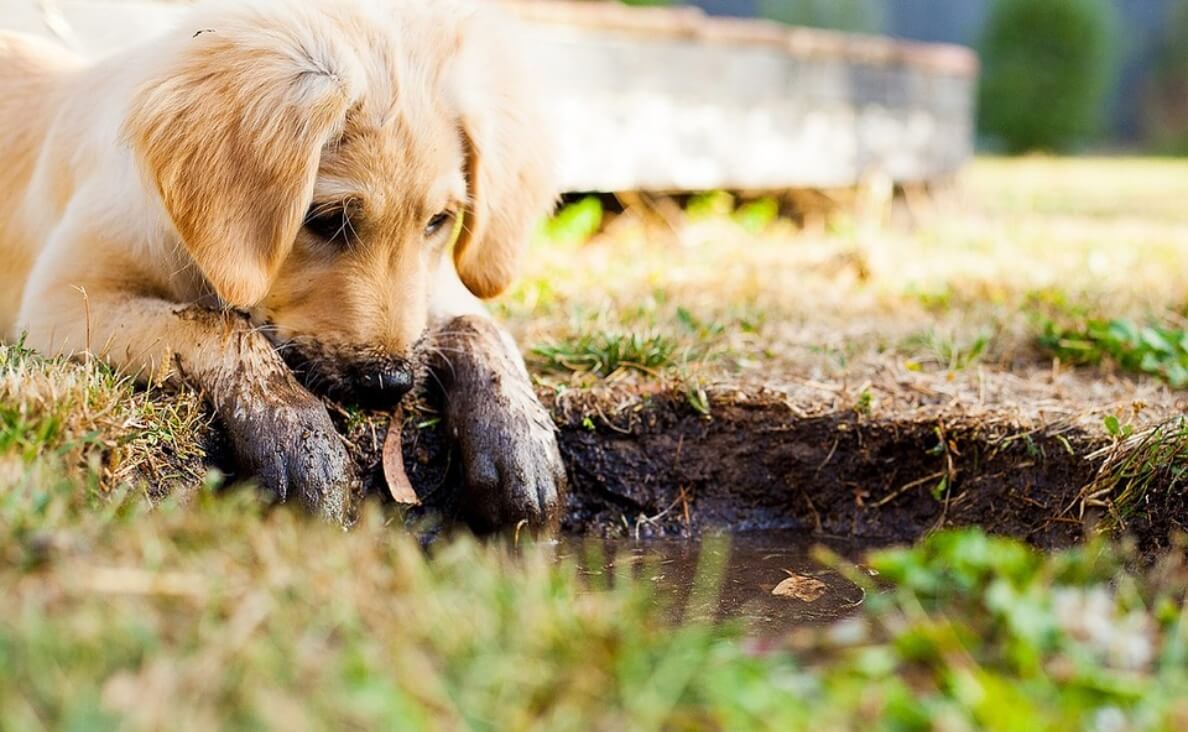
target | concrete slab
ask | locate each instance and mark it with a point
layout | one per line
(670, 100)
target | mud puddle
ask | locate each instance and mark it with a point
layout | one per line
(767, 580)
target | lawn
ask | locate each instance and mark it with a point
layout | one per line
(1040, 296)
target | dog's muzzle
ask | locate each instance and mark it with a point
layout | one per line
(366, 380)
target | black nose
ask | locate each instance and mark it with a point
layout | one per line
(384, 386)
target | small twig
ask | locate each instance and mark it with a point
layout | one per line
(608, 423)
(905, 488)
(828, 457)
(676, 460)
(940, 521)
(651, 520)
(817, 526)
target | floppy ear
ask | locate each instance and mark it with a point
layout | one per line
(231, 134)
(509, 161)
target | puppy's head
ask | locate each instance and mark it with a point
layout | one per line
(319, 159)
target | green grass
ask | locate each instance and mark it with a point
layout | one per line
(575, 223)
(945, 351)
(858, 277)
(1153, 350)
(83, 420)
(652, 338)
(604, 354)
(223, 614)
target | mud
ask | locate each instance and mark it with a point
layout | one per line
(653, 482)
(738, 576)
(660, 469)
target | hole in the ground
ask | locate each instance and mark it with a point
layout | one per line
(663, 470)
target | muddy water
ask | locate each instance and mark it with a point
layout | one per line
(748, 567)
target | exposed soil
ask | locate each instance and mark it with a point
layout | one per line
(755, 466)
(659, 468)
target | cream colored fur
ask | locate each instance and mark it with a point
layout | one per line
(180, 173)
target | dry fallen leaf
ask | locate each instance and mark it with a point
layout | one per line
(394, 475)
(799, 587)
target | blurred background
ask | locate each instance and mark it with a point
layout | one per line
(636, 95)
(1058, 74)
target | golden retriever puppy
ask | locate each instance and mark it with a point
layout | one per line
(265, 201)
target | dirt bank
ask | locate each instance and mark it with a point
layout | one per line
(654, 465)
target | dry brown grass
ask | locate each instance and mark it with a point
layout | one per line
(83, 419)
(935, 301)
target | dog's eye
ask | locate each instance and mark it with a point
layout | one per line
(330, 223)
(438, 222)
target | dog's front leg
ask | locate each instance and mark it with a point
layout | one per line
(508, 442)
(280, 432)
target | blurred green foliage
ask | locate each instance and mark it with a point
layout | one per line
(576, 222)
(845, 15)
(1143, 349)
(1167, 91)
(1047, 67)
(754, 216)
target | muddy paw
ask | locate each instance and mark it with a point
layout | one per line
(287, 441)
(512, 466)
(508, 444)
